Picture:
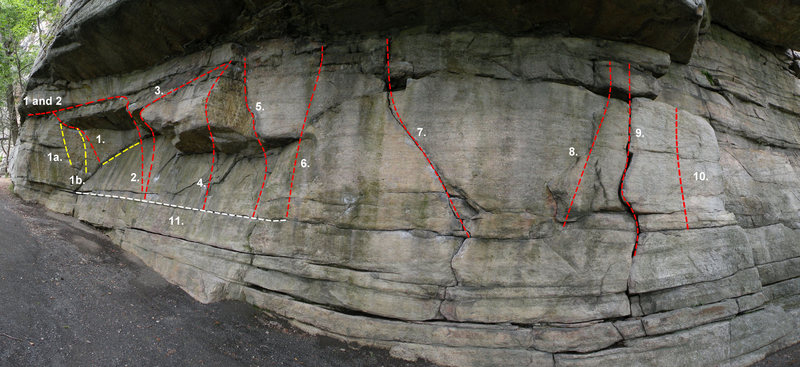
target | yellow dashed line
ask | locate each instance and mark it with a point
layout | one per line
(85, 161)
(118, 154)
(65, 143)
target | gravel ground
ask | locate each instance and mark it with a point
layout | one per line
(69, 297)
(789, 357)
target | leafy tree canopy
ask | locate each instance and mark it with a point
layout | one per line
(22, 24)
(20, 19)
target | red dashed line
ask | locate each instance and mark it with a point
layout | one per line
(95, 152)
(85, 137)
(213, 146)
(305, 119)
(152, 158)
(680, 180)
(399, 119)
(141, 143)
(127, 105)
(185, 84)
(144, 186)
(592, 147)
(247, 104)
(152, 133)
(627, 161)
(71, 107)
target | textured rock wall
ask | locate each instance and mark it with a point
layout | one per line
(371, 249)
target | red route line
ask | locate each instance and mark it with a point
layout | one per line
(213, 146)
(152, 158)
(92, 145)
(78, 105)
(185, 84)
(144, 187)
(127, 105)
(297, 152)
(126, 98)
(85, 137)
(680, 180)
(247, 104)
(627, 161)
(152, 133)
(400, 119)
(592, 147)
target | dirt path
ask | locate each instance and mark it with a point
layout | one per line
(789, 357)
(69, 297)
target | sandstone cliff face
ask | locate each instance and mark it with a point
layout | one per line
(509, 106)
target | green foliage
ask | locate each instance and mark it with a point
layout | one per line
(21, 39)
(18, 20)
(710, 78)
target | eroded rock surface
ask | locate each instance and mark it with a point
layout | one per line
(524, 119)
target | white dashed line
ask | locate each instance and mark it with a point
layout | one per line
(179, 207)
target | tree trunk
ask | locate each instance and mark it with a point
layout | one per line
(19, 67)
(11, 105)
(39, 28)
